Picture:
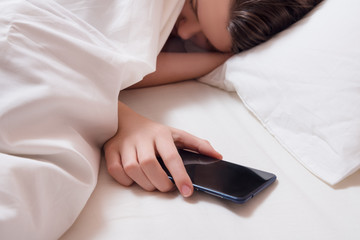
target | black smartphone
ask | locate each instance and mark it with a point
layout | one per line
(223, 179)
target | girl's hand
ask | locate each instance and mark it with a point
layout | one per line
(131, 154)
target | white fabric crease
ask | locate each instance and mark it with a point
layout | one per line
(63, 64)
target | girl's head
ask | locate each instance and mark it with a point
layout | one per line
(237, 25)
(252, 22)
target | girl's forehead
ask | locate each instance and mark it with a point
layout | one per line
(213, 16)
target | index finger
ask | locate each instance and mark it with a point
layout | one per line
(186, 140)
(173, 162)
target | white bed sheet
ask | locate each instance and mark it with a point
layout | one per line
(297, 206)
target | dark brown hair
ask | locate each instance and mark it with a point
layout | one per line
(255, 21)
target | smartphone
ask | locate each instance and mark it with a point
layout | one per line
(223, 179)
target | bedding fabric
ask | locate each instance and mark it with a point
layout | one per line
(304, 86)
(297, 206)
(63, 64)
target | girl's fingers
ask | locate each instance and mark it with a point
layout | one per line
(186, 140)
(135, 159)
(152, 169)
(173, 162)
(133, 170)
(115, 168)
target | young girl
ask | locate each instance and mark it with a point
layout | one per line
(222, 27)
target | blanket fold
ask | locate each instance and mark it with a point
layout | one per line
(59, 83)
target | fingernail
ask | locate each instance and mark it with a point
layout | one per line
(186, 191)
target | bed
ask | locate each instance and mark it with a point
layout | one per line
(297, 206)
(290, 106)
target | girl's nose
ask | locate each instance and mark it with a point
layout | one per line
(187, 30)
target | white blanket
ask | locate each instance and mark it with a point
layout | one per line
(63, 64)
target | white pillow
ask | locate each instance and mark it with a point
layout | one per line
(304, 86)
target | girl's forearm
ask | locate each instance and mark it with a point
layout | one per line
(174, 67)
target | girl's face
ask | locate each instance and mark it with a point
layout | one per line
(205, 23)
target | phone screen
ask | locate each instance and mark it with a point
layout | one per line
(224, 179)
